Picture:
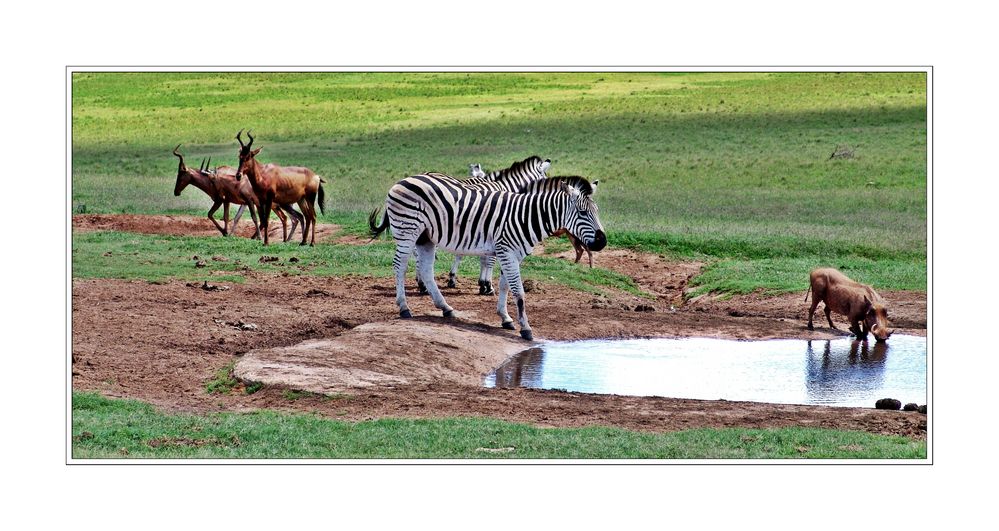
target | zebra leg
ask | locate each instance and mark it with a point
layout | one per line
(421, 288)
(506, 320)
(486, 264)
(401, 261)
(510, 270)
(453, 274)
(425, 271)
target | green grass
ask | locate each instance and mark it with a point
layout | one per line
(733, 169)
(117, 429)
(155, 258)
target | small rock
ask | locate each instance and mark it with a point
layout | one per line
(736, 313)
(645, 308)
(265, 259)
(250, 326)
(530, 285)
(212, 287)
(218, 258)
(195, 257)
(200, 263)
(293, 259)
(888, 403)
(910, 407)
(107, 253)
(922, 409)
(317, 293)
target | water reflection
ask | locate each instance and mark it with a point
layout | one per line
(833, 372)
(831, 376)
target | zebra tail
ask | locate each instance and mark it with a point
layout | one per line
(322, 198)
(376, 230)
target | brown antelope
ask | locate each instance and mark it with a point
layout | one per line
(221, 186)
(281, 185)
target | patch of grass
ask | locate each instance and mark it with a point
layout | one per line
(729, 166)
(115, 428)
(108, 254)
(223, 382)
(784, 275)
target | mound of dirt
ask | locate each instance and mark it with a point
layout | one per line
(387, 354)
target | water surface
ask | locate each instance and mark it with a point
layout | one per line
(840, 372)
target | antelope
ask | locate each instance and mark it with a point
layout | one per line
(281, 185)
(221, 186)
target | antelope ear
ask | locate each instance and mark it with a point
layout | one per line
(255, 151)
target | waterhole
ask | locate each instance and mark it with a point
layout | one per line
(841, 372)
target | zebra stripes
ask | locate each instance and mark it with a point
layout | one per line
(434, 210)
(512, 179)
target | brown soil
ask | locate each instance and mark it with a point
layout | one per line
(162, 342)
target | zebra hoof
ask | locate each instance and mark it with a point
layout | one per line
(509, 325)
(448, 314)
(526, 334)
(406, 314)
(488, 290)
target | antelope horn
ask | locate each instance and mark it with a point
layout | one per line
(250, 137)
(238, 138)
(202, 166)
(209, 163)
(181, 157)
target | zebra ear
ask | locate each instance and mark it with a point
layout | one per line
(566, 189)
(545, 165)
(593, 185)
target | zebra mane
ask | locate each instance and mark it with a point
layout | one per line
(551, 183)
(517, 167)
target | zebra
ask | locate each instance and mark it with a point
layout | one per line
(435, 210)
(512, 179)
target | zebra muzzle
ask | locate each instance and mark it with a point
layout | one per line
(599, 241)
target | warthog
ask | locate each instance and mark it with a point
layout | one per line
(858, 302)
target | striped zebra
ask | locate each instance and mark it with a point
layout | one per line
(434, 210)
(511, 179)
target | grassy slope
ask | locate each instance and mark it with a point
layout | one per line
(731, 168)
(113, 428)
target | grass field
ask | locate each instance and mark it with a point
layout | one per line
(114, 429)
(729, 168)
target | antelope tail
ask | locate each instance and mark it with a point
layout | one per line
(322, 198)
(807, 292)
(376, 230)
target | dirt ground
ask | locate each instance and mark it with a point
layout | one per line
(161, 342)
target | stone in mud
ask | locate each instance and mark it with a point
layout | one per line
(219, 258)
(530, 285)
(200, 263)
(645, 308)
(910, 407)
(888, 403)
(265, 259)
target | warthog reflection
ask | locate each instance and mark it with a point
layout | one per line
(861, 369)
